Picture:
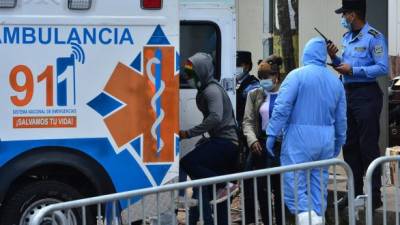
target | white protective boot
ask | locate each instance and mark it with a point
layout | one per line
(316, 220)
(304, 219)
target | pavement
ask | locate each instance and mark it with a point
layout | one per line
(342, 215)
(390, 196)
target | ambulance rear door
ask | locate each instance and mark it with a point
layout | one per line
(206, 26)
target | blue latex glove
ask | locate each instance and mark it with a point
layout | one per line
(270, 145)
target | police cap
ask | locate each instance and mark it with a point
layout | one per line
(352, 5)
(243, 57)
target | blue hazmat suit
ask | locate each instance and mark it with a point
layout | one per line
(310, 110)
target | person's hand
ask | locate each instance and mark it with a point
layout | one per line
(270, 145)
(183, 134)
(332, 50)
(344, 69)
(256, 148)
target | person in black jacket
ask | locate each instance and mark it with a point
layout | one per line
(245, 82)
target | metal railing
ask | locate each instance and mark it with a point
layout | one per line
(376, 164)
(55, 212)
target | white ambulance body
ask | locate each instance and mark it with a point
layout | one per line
(394, 28)
(91, 97)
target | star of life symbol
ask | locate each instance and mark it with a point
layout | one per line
(140, 104)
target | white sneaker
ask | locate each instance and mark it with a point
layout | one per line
(222, 193)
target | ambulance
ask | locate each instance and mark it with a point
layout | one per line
(91, 100)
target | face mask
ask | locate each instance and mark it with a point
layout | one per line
(194, 80)
(239, 70)
(192, 83)
(346, 24)
(240, 73)
(267, 85)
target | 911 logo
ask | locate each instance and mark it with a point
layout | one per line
(55, 80)
(140, 105)
(65, 79)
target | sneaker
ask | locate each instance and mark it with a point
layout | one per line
(222, 193)
(190, 202)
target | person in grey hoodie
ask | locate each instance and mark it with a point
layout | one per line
(216, 154)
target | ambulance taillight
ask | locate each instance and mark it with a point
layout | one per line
(151, 4)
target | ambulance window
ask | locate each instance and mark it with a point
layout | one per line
(200, 36)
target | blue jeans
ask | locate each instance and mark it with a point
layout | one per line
(215, 157)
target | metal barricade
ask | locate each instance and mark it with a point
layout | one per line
(376, 164)
(93, 210)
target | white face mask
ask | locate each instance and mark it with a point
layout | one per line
(240, 73)
(239, 70)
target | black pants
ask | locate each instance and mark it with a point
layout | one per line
(215, 157)
(255, 162)
(364, 105)
(212, 158)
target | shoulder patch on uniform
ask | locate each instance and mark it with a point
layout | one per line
(373, 32)
(378, 50)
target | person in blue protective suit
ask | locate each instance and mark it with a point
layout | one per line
(364, 57)
(310, 110)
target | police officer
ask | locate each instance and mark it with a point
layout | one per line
(245, 82)
(364, 58)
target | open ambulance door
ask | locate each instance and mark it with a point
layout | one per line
(210, 28)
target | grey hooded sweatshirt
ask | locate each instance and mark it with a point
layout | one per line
(213, 102)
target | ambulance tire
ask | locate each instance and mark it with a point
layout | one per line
(27, 200)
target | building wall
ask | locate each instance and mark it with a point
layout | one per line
(377, 16)
(319, 14)
(250, 28)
